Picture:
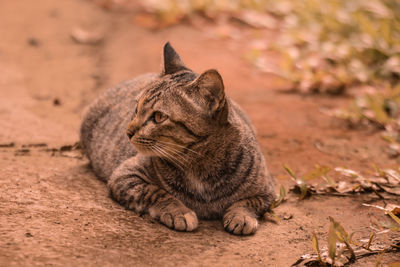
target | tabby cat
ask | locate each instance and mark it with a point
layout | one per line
(173, 145)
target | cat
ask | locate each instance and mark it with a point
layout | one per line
(174, 146)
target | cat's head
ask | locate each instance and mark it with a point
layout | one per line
(179, 110)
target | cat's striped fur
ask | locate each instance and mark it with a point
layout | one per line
(190, 151)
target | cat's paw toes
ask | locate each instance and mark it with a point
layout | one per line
(240, 223)
(180, 221)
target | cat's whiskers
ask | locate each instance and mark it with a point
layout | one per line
(167, 146)
(178, 161)
(163, 153)
(176, 153)
(144, 141)
(187, 149)
(180, 146)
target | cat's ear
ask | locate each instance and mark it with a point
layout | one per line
(211, 88)
(172, 61)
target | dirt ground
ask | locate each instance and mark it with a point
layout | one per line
(53, 210)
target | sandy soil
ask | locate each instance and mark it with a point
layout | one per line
(53, 210)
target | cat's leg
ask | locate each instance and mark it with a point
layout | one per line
(241, 217)
(130, 187)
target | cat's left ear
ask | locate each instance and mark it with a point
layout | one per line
(211, 88)
(172, 61)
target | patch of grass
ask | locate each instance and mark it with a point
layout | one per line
(342, 250)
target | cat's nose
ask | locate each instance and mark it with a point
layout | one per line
(132, 129)
(130, 133)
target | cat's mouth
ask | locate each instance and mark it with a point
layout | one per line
(159, 148)
(144, 145)
(143, 141)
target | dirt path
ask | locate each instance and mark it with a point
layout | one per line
(53, 210)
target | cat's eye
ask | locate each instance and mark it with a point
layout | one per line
(159, 117)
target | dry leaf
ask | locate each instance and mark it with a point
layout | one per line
(256, 19)
(316, 246)
(395, 209)
(83, 36)
(332, 238)
(301, 186)
(318, 171)
(281, 198)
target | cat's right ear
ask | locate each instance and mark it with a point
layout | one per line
(172, 61)
(211, 88)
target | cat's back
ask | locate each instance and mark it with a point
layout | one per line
(102, 132)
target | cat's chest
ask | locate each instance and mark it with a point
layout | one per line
(195, 184)
(189, 183)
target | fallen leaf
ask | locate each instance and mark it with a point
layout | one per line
(371, 237)
(347, 172)
(82, 36)
(146, 20)
(281, 198)
(256, 19)
(35, 145)
(343, 237)
(332, 238)
(318, 171)
(12, 144)
(395, 209)
(316, 247)
(391, 190)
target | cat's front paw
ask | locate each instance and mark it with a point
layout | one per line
(185, 220)
(240, 223)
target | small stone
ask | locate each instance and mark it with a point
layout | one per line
(28, 234)
(287, 216)
(56, 102)
(33, 42)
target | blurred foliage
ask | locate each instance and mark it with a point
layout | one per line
(331, 45)
(328, 46)
(172, 9)
(380, 107)
(342, 249)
